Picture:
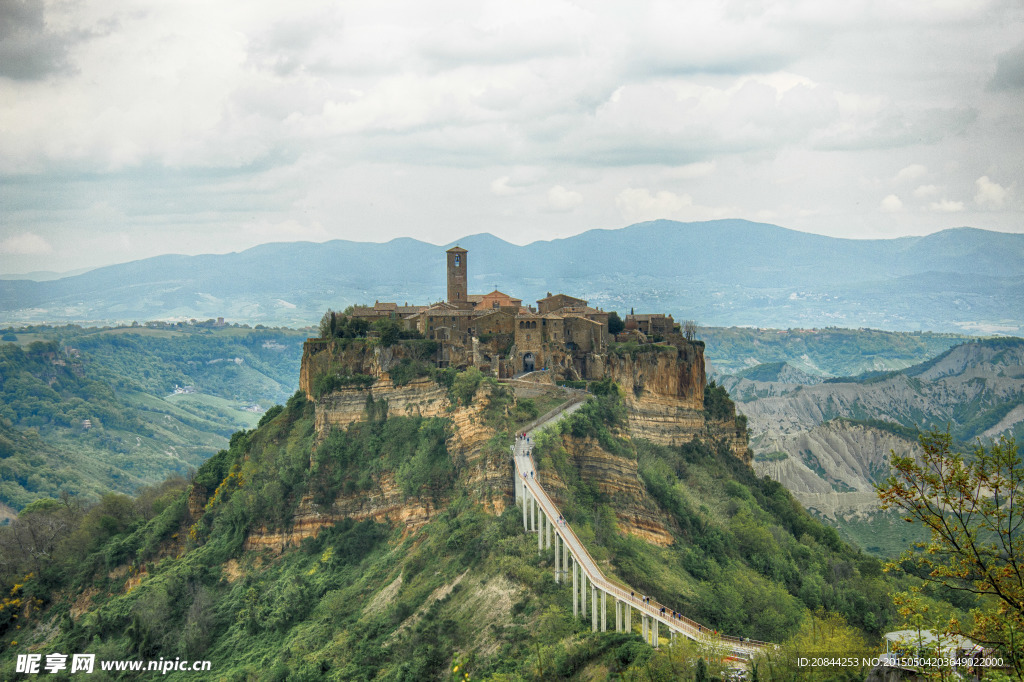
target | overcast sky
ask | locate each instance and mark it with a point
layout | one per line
(130, 129)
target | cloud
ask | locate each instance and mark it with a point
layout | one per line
(562, 199)
(925, 191)
(911, 172)
(1009, 73)
(25, 244)
(29, 49)
(891, 204)
(990, 194)
(640, 204)
(692, 171)
(946, 206)
(501, 187)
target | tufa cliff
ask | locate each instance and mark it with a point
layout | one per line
(662, 389)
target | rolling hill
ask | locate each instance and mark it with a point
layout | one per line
(724, 272)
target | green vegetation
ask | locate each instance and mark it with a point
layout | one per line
(768, 371)
(776, 456)
(895, 428)
(328, 383)
(747, 558)
(975, 552)
(442, 583)
(360, 600)
(90, 411)
(883, 534)
(615, 323)
(717, 404)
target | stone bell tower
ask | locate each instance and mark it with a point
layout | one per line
(457, 285)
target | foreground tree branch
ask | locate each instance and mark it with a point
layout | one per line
(969, 503)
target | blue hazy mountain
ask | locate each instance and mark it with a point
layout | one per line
(725, 272)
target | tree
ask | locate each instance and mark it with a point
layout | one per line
(615, 323)
(327, 324)
(689, 329)
(973, 508)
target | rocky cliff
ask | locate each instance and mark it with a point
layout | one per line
(636, 512)
(664, 389)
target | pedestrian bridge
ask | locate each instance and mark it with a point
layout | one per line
(591, 590)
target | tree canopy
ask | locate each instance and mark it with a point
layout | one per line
(971, 504)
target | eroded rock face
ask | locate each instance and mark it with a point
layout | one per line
(617, 477)
(664, 396)
(488, 475)
(664, 391)
(421, 397)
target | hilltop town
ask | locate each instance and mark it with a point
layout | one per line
(503, 338)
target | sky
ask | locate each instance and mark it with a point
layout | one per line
(130, 129)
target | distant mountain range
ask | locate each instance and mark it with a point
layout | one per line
(726, 272)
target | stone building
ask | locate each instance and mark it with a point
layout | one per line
(498, 334)
(653, 324)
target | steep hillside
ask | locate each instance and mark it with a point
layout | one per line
(972, 387)
(388, 546)
(829, 442)
(89, 411)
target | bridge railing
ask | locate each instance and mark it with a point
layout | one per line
(597, 577)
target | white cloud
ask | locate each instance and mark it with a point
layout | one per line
(25, 244)
(692, 171)
(946, 206)
(562, 199)
(640, 204)
(990, 194)
(891, 204)
(912, 172)
(926, 191)
(501, 187)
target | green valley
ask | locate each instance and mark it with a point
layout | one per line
(89, 411)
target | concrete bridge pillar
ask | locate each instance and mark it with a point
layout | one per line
(524, 500)
(604, 611)
(618, 616)
(654, 643)
(629, 617)
(575, 589)
(540, 534)
(565, 554)
(593, 606)
(583, 592)
(547, 534)
(519, 479)
(643, 628)
(558, 572)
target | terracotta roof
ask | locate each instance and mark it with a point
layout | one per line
(457, 249)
